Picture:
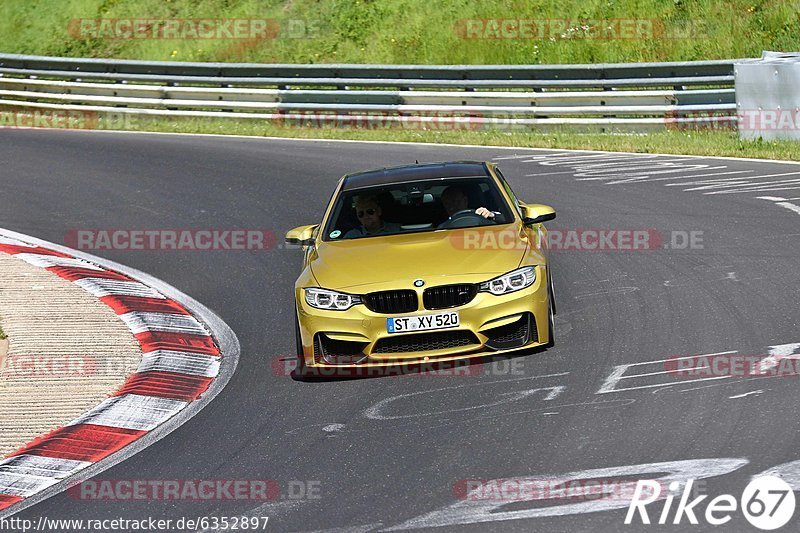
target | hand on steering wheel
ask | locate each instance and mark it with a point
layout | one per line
(462, 213)
(485, 213)
(466, 218)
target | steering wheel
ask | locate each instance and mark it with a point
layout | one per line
(463, 213)
(465, 218)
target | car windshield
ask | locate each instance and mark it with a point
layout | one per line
(412, 207)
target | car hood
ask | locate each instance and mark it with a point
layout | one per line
(406, 257)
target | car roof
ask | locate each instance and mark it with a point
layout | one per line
(417, 172)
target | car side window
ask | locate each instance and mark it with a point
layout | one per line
(509, 191)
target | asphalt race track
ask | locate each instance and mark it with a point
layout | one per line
(393, 453)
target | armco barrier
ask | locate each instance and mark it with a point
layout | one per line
(634, 97)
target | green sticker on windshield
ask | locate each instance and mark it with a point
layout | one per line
(335, 234)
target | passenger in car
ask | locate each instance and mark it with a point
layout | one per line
(370, 216)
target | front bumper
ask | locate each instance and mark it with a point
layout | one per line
(489, 324)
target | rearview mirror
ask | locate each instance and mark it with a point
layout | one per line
(536, 213)
(301, 235)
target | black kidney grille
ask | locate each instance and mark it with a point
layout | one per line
(389, 302)
(445, 296)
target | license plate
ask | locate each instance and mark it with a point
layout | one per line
(445, 320)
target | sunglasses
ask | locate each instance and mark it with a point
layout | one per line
(361, 213)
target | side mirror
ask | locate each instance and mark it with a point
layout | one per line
(301, 235)
(536, 213)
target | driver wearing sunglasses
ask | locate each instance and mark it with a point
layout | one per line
(369, 213)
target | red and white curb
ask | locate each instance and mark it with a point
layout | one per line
(189, 354)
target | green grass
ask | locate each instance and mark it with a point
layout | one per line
(715, 143)
(412, 31)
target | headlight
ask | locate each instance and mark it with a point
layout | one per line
(335, 301)
(513, 281)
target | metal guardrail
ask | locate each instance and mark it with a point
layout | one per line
(619, 97)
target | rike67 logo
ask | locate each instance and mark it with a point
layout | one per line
(767, 503)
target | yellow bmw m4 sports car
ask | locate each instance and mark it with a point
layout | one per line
(422, 263)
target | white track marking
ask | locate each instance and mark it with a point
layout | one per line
(603, 390)
(614, 171)
(672, 178)
(139, 322)
(46, 261)
(723, 182)
(614, 168)
(742, 182)
(350, 529)
(132, 411)
(641, 175)
(756, 392)
(735, 182)
(765, 188)
(194, 364)
(476, 510)
(618, 374)
(778, 352)
(375, 411)
(789, 472)
(595, 404)
(111, 287)
(592, 161)
(679, 358)
(661, 372)
(790, 206)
